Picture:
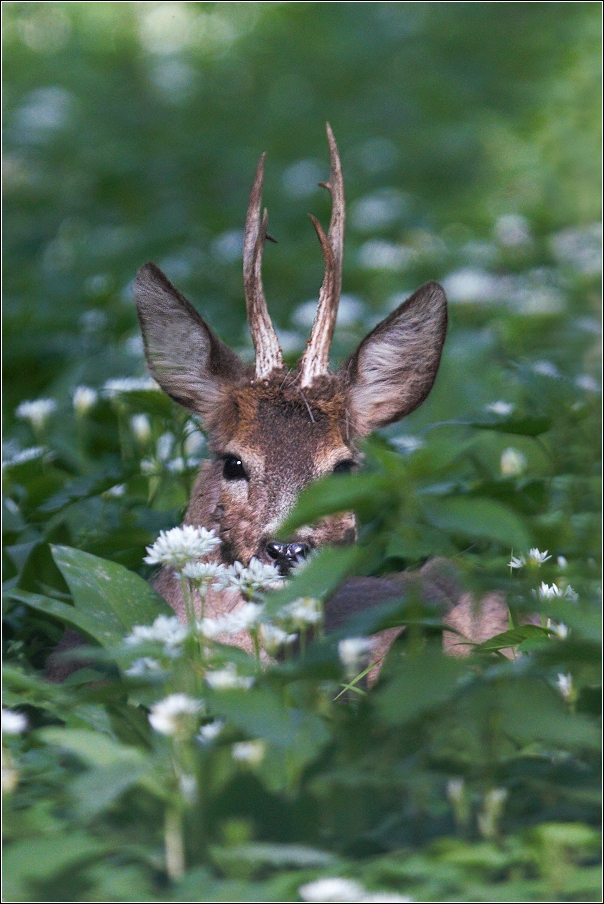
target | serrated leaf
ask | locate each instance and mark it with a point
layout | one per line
(483, 518)
(512, 638)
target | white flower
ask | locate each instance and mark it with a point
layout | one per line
(302, 612)
(537, 558)
(586, 382)
(517, 562)
(141, 427)
(502, 408)
(247, 618)
(12, 722)
(203, 572)
(165, 629)
(546, 369)
(548, 591)
(113, 388)
(18, 458)
(210, 627)
(455, 789)
(172, 715)
(227, 679)
(513, 463)
(561, 630)
(118, 490)
(385, 897)
(564, 684)
(143, 666)
(180, 545)
(37, 412)
(83, 399)
(331, 890)
(250, 752)
(354, 653)
(188, 787)
(164, 446)
(562, 563)
(253, 579)
(408, 444)
(208, 733)
(571, 595)
(272, 638)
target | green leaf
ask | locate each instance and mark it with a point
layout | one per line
(94, 748)
(41, 858)
(483, 518)
(364, 493)
(512, 638)
(115, 598)
(319, 577)
(421, 682)
(90, 623)
(99, 788)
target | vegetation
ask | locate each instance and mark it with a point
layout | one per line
(468, 135)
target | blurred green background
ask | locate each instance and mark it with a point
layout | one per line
(469, 135)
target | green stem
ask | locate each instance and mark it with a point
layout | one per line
(174, 844)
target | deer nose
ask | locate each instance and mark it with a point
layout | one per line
(287, 553)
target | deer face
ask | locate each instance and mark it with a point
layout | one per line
(273, 431)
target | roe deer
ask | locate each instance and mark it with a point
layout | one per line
(273, 430)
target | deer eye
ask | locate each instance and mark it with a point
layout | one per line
(344, 467)
(233, 469)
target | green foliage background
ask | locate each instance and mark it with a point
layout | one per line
(470, 137)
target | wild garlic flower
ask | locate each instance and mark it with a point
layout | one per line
(517, 562)
(117, 386)
(36, 412)
(141, 427)
(548, 591)
(273, 638)
(562, 563)
(165, 629)
(331, 890)
(561, 630)
(13, 722)
(181, 545)
(513, 463)
(174, 714)
(385, 897)
(354, 653)
(564, 683)
(252, 579)
(208, 733)
(250, 752)
(501, 408)
(140, 668)
(537, 558)
(203, 572)
(302, 612)
(84, 398)
(24, 455)
(227, 679)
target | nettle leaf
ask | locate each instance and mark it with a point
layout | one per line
(512, 638)
(364, 493)
(483, 518)
(422, 682)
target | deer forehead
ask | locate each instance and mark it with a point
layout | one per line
(281, 432)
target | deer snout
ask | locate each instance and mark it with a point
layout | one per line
(286, 555)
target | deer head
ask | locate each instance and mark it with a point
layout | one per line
(273, 430)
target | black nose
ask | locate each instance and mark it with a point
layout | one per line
(287, 553)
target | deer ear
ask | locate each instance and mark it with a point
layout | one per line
(395, 366)
(188, 360)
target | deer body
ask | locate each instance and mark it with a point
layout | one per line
(272, 431)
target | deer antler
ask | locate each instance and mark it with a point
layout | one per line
(264, 337)
(316, 356)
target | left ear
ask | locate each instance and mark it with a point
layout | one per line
(394, 367)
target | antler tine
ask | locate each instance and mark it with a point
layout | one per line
(315, 359)
(264, 337)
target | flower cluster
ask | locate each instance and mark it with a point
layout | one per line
(165, 629)
(251, 580)
(227, 679)
(181, 545)
(173, 715)
(534, 558)
(336, 890)
(36, 412)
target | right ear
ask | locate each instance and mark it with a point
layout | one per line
(188, 360)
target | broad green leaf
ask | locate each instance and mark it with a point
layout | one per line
(117, 599)
(41, 858)
(366, 493)
(276, 855)
(92, 624)
(94, 748)
(483, 518)
(83, 488)
(98, 788)
(532, 710)
(319, 577)
(421, 682)
(512, 638)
